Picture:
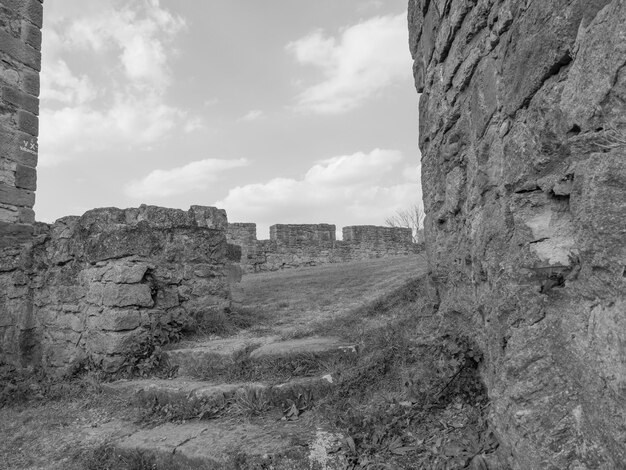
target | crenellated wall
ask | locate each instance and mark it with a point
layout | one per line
(20, 63)
(97, 287)
(523, 141)
(296, 245)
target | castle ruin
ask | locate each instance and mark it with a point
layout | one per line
(297, 245)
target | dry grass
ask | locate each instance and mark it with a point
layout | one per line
(54, 426)
(297, 302)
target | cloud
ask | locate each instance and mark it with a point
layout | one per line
(362, 188)
(61, 85)
(353, 169)
(138, 31)
(253, 115)
(118, 99)
(359, 63)
(129, 121)
(194, 124)
(191, 177)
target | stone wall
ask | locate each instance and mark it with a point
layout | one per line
(297, 245)
(523, 140)
(97, 287)
(20, 62)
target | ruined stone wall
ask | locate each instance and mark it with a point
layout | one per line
(523, 140)
(20, 62)
(297, 245)
(96, 287)
(302, 235)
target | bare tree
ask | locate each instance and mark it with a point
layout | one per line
(412, 217)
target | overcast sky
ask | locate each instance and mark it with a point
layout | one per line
(278, 111)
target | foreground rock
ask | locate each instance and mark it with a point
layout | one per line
(522, 133)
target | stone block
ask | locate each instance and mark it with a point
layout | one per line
(26, 215)
(25, 177)
(18, 147)
(31, 35)
(115, 320)
(7, 172)
(31, 10)
(8, 214)
(8, 74)
(20, 99)
(113, 342)
(31, 82)
(209, 217)
(27, 122)
(19, 51)
(126, 273)
(16, 197)
(120, 295)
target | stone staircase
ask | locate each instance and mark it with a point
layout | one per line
(262, 423)
(255, 400)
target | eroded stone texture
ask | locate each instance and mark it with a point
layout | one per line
(522, 126)
(96, 287)
(296, 245)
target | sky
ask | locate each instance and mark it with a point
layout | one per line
(277, 111)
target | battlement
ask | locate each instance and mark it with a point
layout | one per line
(295, 235)
(296, 245)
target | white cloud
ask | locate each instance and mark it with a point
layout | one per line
(191, 177)
(119, 101)
(194, 124)
(253, 115)
(362, 61)
(353, 169)
(128, 122)
(59, 84)
(362, 188)
(139, 35)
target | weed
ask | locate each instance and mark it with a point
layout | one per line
(613, 137)
(228, 321)
(106, 457)
(251, 401)
(245, 369)
(22, 386)
(184, 410)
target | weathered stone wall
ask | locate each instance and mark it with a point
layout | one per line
(297, 245)
(97, 287)
(301, 235)
(523, 138)
(20, 62)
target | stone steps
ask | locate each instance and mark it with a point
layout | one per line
(218, 424)
(188, 392)
(202, 357)
(228, 444)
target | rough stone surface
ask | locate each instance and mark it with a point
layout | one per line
(310, 345)
(522, 132)
(292, 246)
(260, 443)
(97, 287)
(20, 60)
